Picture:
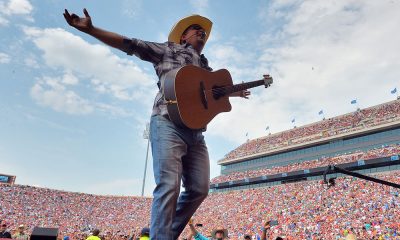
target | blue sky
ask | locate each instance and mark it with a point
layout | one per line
(73, 111)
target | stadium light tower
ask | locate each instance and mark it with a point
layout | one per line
(146, 135)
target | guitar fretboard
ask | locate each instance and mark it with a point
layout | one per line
(223, 91)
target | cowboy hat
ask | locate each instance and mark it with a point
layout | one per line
(220, 229)
(180, 27)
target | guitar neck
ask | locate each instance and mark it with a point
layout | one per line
(243, 86)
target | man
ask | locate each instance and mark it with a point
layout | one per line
(95, 235)
(145, 234)
(21, 235)
(219, 234)
(265, 229)
(3, 231)
(178, 153)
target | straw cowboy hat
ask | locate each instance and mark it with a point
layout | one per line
(178, 29)
(220, 229)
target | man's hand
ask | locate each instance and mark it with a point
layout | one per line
(82, 24)
(245, 94)
(267, 226)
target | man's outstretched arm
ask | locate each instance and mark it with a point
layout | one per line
(147, 51)
(85, 25)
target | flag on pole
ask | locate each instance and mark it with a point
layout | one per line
(354, 101)
(267, 128)
(320, 112)
(293, 120)
(393, 91)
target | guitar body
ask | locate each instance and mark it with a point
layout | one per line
(190, 99)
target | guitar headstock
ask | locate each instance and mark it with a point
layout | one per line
(267, 80)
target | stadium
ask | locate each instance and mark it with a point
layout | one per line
(276, 177)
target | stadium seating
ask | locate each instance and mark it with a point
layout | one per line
(351, 122)
(383, 151)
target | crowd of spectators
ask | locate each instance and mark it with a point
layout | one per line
(384, 151)
(76, 214)
(308, 210)
(305, 210)
(351, 122)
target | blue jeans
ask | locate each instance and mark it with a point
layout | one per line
(178, 154)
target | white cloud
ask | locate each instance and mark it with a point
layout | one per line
(4, 58)
(70, 79)
(240, 63)
(200, 6)
(52, 93)
(14, 7)
(105, 72)
(17, 7)
(31, 62)
(119, 77)
(323, 56)
(131, 8)
(3, 21)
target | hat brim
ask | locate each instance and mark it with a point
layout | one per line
(178, 29)
(225, 231)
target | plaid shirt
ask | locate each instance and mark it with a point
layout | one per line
(164, 57)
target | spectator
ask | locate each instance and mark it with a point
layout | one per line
(145, 234)
(266, 229)
(351, 236)
(95, 235)
(218, 233)
(247, 237)
(3, 231)
(21, 235)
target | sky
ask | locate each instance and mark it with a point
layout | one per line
(73, 111)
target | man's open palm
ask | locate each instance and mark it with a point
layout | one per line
(82, 24)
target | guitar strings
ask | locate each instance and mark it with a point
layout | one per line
(223, 90)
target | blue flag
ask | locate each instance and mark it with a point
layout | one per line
(393, 91)
(321, 112)
(353, 101)
(293, 120)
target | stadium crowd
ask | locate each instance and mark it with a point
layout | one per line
(74, 213)
(305, 210)
(383, 151)
(351, 122)
(308, 210)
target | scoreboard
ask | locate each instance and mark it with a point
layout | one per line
(7, 179)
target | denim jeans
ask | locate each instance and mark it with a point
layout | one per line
(178, 154)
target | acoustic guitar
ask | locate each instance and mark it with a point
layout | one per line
(194, 96)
